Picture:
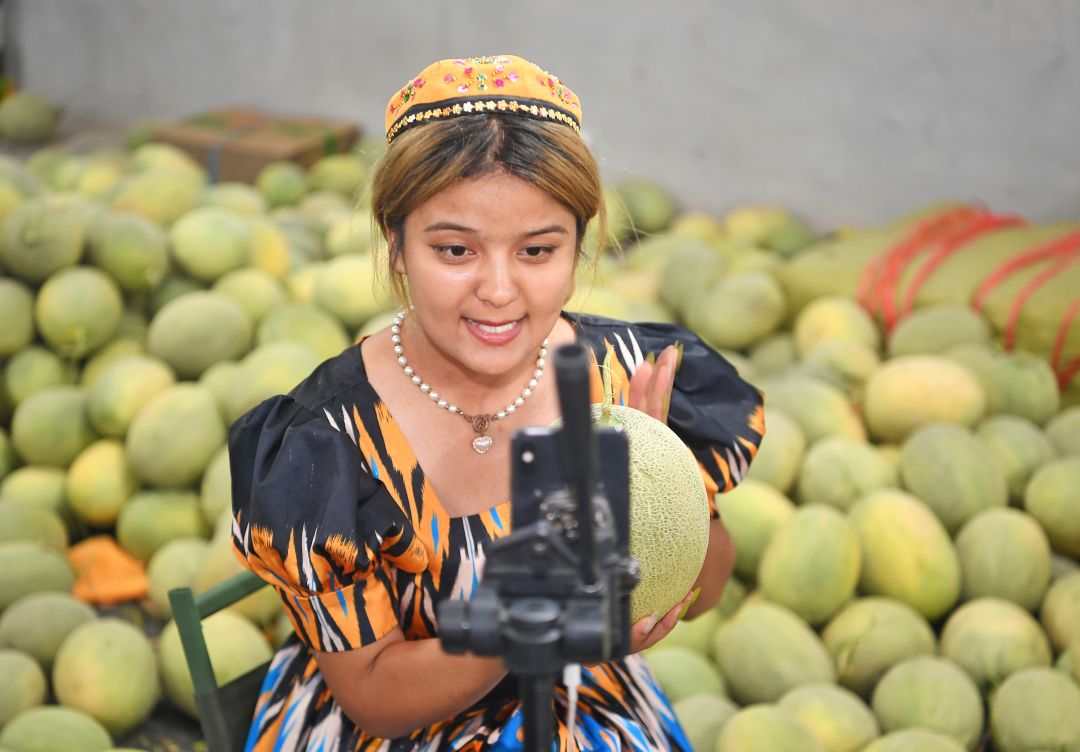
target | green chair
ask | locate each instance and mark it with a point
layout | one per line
(225, 711)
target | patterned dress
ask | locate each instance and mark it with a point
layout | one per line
(331, 507)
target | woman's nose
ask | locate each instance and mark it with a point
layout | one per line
(497, 286)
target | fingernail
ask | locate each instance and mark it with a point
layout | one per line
(693, 596)
(650, 623)
(678, 360)
(651, 357)
(666, 405)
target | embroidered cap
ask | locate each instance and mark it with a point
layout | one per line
(500, 83)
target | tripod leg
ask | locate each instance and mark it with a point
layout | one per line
(537, 692)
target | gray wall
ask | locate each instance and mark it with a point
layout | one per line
(845, 111)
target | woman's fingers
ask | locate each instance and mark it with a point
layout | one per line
(651, 384)
(648, 631)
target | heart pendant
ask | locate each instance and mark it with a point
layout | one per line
(481, 444)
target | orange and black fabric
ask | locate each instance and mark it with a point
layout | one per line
(331, 507)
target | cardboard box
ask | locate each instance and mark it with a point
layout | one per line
(235, 143)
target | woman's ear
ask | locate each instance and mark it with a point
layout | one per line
(397, 255)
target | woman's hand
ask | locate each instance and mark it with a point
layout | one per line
(651, 384)
(646, 632)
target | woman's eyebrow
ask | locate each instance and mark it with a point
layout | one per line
(448, 226)
(453, 226)
(545, 231)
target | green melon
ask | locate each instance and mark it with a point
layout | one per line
(198, 329)
(936, 329)
(306, 324)
(174, 286)
(774, 355)
(738, 310)
(1051, 497)
(24, 684)
(871, 635)
(1036, 708)
(37, 624)
(992, 638)
(343, 173)
(839, 470)
(981, 361)
(695, 634)
(52, 728)
(649, 206)
(50, 427)
(765, 727)
(915, 740)
(239, 198)
(667, 500)
(107, 669)
(766, 650)
(235, 646)
(8, 458)
(819, 408)
(703, 717)
(752, 512)
(846, 362)
(254, 290)
(215, 490)
(682, 673)
(174, 436)
(158, 155)
(910, 391)
(351, 234)
(209, 241)
(781, 452)
(1063, 430)
(26, 117)
(269, 248)
(834, 317)
(1004, 554)
(27, 568)
(122, 390)
(44, 235)
(218, 380)
(1027, 387)
(99, 483)
(151, 519)
(931, 693)
(837, 718)
(160, 195)
(1018, 447)
(131, 249)
(17, 313)
(953, 473)
(42, 487)
(771, 227)
(1060, 611)
(281, 183)
(907, 553)
(175, 565)
(122, 346)
(78, 310)
(300, 284)
(34, 368)
(268, 370)
(346, 286)
(20, 520)
(691, 269)
(731, 600)
(811, 564)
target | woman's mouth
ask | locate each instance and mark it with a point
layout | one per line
(493, 332)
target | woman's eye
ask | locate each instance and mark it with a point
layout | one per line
(536, 251)
(453, 251)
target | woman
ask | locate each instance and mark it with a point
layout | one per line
(367, 495)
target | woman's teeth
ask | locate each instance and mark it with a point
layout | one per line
(495, 329)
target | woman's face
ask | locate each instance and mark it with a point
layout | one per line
(490, 263)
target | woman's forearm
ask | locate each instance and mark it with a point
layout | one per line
(407, 685)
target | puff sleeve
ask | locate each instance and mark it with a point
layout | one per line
(311, 520)
(713, 410)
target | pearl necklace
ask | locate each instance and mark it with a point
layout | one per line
(479, 422)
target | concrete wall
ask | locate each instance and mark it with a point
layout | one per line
(846, 111)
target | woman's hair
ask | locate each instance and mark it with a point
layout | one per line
(426, 160)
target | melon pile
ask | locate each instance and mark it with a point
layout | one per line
(907, 541)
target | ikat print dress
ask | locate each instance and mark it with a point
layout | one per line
(331, 508)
